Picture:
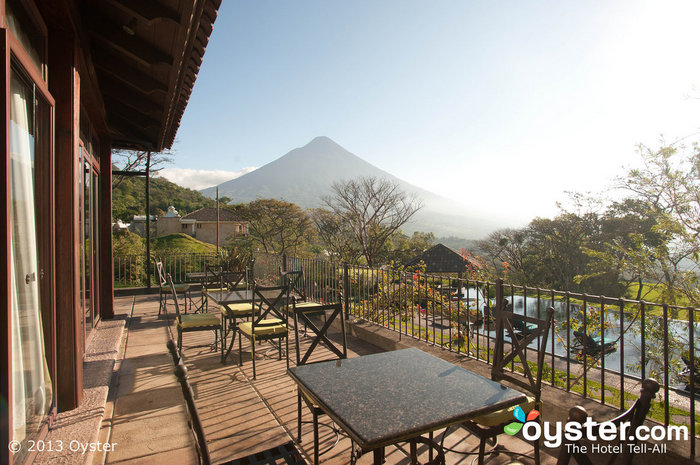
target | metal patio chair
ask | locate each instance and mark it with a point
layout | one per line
(635, 415)
(338, 351)
(269, 320)
(491, 425)
(165, 289)
(195, 322)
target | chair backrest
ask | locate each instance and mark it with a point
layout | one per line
(195, 421)
(216, 275)
(270, 300)
(161, 273)
(340, 350)
(634, 416)
(518, 349)
(172, 291)
(295, 281)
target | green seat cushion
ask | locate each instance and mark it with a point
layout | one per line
(237, 310)
(198, 320)
(306, 304)
(217, 289)
(504, 415)
(268, 327)
(178, 288)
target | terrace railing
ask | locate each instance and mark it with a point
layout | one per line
(130, 270)
(599, 348)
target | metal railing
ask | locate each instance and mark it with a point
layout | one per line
(130, 270)
(600, 347)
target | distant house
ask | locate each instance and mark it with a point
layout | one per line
(442, 259)
(201, 224)
(138, 224)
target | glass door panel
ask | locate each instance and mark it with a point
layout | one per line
(31, 382)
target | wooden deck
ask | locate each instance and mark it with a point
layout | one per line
(241, 416)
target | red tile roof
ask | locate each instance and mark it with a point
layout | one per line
(209, 214)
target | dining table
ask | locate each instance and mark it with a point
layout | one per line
(390, 397)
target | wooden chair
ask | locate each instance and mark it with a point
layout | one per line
(492, 425)
(269, 320)
(338, 351)
(635, 416)
(194, 322)
(165, 289)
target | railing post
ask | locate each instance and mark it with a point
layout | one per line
(284, 262)
(499, 307)
(346, 291)
(499, 294)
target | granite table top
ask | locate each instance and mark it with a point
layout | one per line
(384, 398)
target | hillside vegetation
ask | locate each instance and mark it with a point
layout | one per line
(128, 243)
(129, 198)
(173, 244)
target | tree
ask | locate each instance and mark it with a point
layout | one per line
(137, 160)
(277, 226)
(506, 251)
(400, 248)
(667, 187)
(336, 236)
(373, 209)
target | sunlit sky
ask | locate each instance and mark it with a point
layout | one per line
(500, 105)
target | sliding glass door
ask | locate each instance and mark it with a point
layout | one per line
(30, 126)
(89, 240)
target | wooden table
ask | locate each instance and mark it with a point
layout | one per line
(385, 398)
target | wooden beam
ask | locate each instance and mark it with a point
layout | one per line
(147, 10)
(105, 230)
(136, 116)
(64, 84)
(126, 73)
(128, 95)
(128, 131)
(113, 34)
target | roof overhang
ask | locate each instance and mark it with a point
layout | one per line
(145, 56)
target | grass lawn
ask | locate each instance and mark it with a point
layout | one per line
(176, 244)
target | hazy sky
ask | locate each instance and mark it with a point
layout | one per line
(501, 105)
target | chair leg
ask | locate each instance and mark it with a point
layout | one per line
(537, 452)
(240, 350)
(298, 416)
(315, 436)
(252, 351)
(414, 452)
(160, 300)
(430, 450)
(179, 342)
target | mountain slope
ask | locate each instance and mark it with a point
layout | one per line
(304, 175)
(129, 198)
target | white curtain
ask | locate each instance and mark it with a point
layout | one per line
(31, 384)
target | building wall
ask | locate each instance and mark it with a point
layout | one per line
(64, 84)
(206, 232)
(168, 225)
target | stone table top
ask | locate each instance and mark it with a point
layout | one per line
(384, 398)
